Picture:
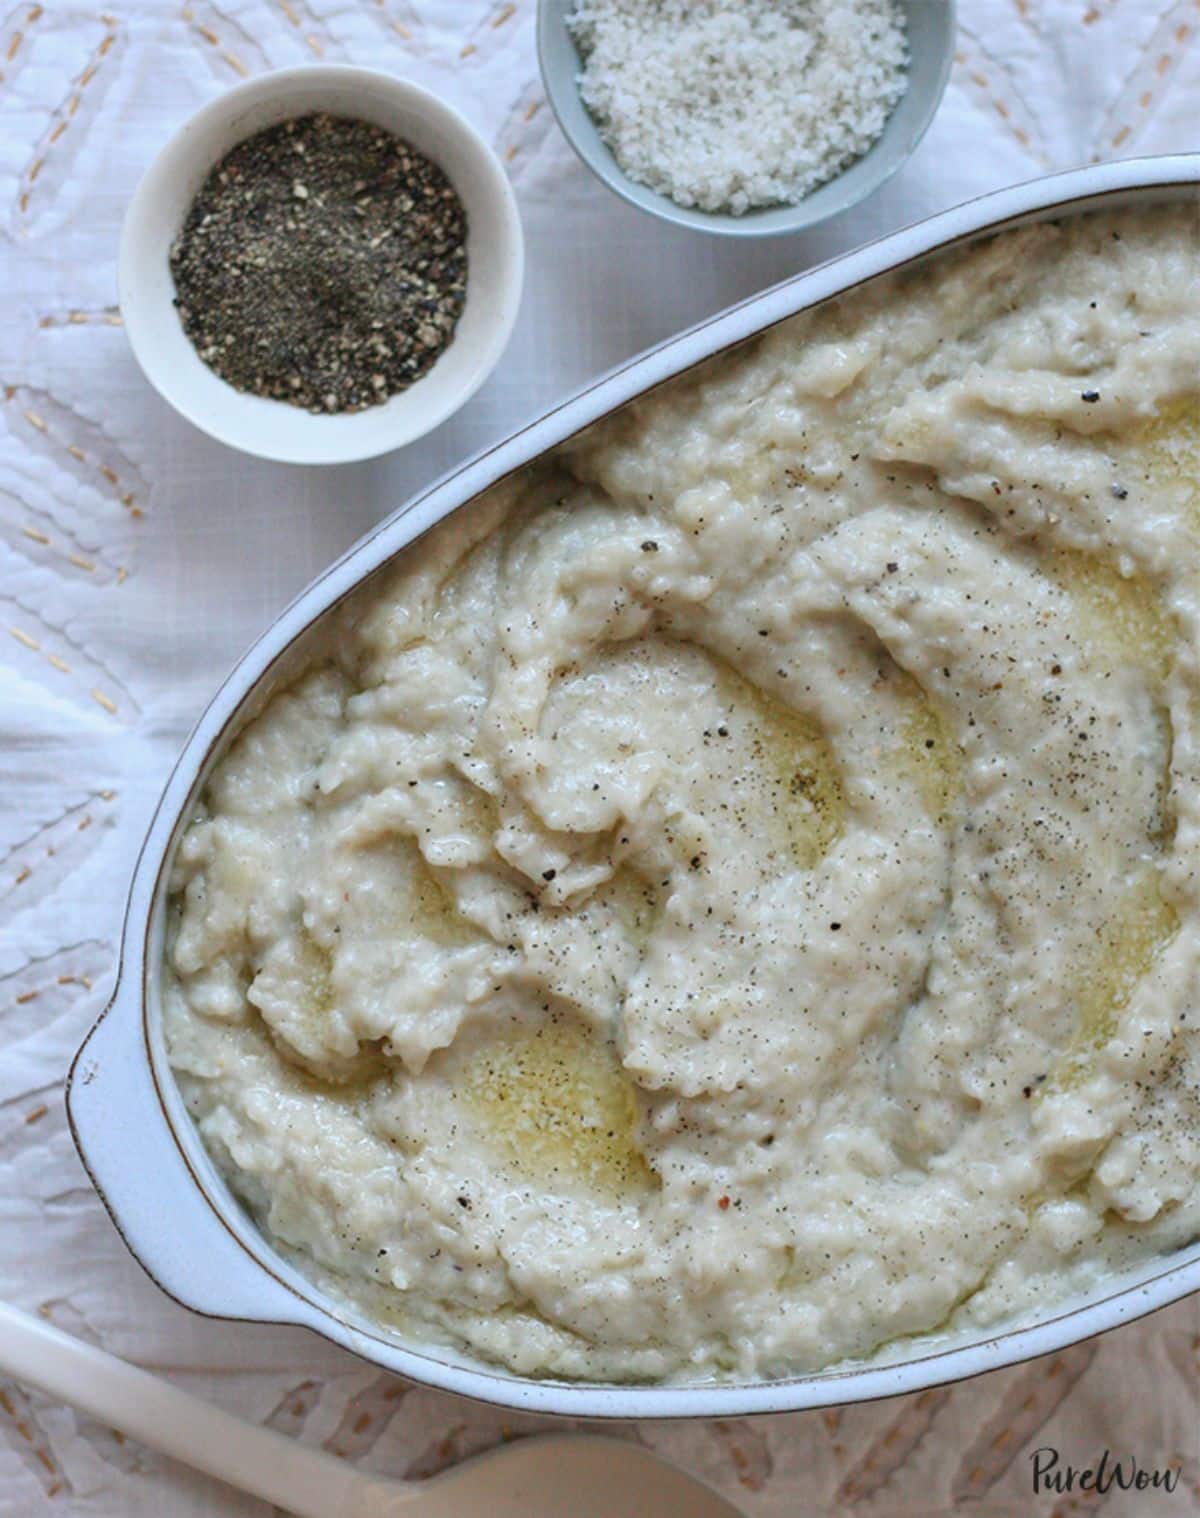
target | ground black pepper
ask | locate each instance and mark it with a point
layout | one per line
(323, 262)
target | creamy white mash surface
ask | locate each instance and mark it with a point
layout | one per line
(726, 901)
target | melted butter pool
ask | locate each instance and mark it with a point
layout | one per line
(1168, 451)
(1128, 945)
(761, 775)
(1121, 619)
(1118, 616)
(557, 1106)
(793, 764)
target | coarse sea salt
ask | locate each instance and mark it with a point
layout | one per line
(730, 105)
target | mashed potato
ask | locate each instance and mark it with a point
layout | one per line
(725, 902)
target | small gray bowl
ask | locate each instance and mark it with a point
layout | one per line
(930, 26)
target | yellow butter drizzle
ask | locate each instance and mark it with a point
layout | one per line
(1128, 945)
(1119, 617)
(556, 1106)
(802, 779)
(1168, 449)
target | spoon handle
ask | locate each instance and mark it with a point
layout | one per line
(156, 1413)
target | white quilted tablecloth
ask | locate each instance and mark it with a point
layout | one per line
(137, 559)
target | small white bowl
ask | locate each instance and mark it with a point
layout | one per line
(273, 429)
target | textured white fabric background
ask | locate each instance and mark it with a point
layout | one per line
(137, 559)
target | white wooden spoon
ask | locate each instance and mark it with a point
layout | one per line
(580, 1475)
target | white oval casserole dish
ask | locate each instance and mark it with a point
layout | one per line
(146, 1159)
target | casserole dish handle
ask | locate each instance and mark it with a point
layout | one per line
(145, 1182)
